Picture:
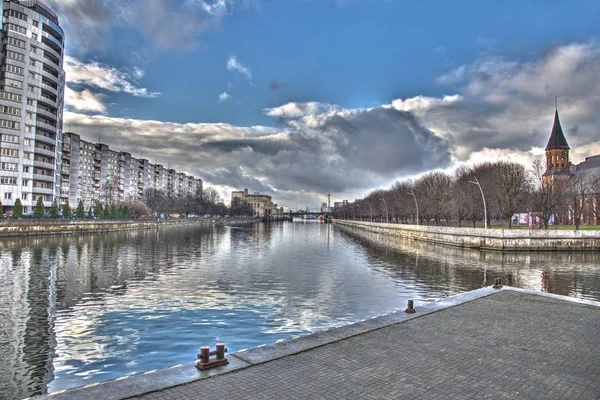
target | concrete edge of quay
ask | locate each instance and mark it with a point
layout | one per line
(88, 227)
(486, 239)
(157, 380)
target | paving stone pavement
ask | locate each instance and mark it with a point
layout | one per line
(509, 345)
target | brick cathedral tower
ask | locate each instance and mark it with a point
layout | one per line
(557, 156)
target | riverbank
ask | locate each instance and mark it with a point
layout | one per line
(24, 228)
(487, 239)
(488, 341)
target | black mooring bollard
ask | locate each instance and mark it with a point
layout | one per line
(410, 309)
(497, 283)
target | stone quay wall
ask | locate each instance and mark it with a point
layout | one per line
(488, 239)
(10, 228)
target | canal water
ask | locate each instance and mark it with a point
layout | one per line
(78, 310)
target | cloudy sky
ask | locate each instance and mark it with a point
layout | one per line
(300, 98)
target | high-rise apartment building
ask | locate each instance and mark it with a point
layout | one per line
(32, 85)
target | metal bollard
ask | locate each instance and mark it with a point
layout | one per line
(204, 357)
(410, 309)
(497, 283)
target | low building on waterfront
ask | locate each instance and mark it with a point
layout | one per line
(261, 204)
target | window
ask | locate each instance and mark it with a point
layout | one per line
(10, 96)
(8, 180)
(16, 14)
(9, 138)
(15, 55)
(35, 23)
(8, 166)
(17, 28)
(10, 110)
(33, 49)
(15, 42)
(29, 115)
(13, 83)
(26, 170)
(27, 142)
(30, 89)
(12, 69)
(31, 75)
(32, 63)
(7, 196)
(29, 129)
(9, 124)
(9, 152)
(24, 196)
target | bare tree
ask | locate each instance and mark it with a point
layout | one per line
(578, 189)
(513, 185)
(545, 198)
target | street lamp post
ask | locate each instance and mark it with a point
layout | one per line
(412, 193)
(387, 216)
(371, 209)
(476, 182)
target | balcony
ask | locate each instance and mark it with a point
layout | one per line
(51, 76)
(48, 100)
(66, 148)
(39, 150)
(49, 89)
(45, 139)
(48, 49)
(42, 164)
(42, 190)
(45, 178)
(65, 171)
(45, 126)
(47, 114)
(49, 61)
(98, 156)
(96, 176)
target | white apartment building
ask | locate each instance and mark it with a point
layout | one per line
(94, 173)
(31, 103)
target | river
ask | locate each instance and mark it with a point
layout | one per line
(82, 309)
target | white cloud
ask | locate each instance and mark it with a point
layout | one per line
(423, 103)
(224, 97)
(85, 100)
(105, 77)
(234, 65)
(218, 8)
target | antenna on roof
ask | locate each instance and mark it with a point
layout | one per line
(556, 103)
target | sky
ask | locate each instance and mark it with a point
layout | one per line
(301, 98)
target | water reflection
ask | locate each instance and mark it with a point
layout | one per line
(447, 270)
(76, 310)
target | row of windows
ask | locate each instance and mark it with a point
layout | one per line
(8, 196)
(16, 14)
(10, 96)
(12, 69)
(10, 110)
(9, 124)
(15, 42)
(5, 166)
(8, 180)
(13, 83)
(9, 138)
(17, 28)
(9, 152)
(15, 55)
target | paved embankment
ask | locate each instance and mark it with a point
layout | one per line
(488, 239)
(11, 228)
(507, 343)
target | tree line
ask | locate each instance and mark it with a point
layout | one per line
(455, 198)
(154, 203)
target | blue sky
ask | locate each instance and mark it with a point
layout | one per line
(256, 84)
